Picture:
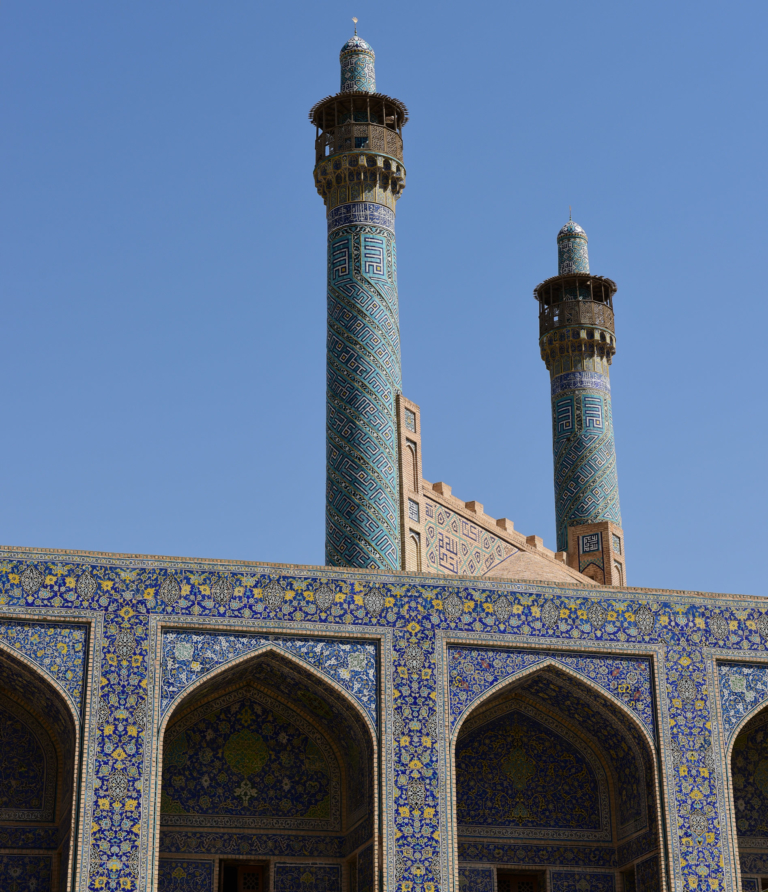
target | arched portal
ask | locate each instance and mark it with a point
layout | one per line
(749, 783)
(39, 736)
(555, 789)
(268, 783)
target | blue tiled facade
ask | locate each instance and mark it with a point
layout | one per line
(542, 698)
(167, 724)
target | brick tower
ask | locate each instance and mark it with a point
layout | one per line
(577, 340)
(359, 174)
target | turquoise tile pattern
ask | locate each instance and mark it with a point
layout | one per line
(363, 373)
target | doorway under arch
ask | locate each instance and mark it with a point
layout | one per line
(39, 740)
(268, 783)
(555, 789)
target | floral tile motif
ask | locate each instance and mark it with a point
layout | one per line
(475, 879)
(57, 649)
(308, 878)
(682, 630)
(188, 656)
(742, 688)
(473, 671)
(185, 876)
(581, 881)
(25, 873)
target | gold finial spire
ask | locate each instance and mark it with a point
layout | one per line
(354, 19)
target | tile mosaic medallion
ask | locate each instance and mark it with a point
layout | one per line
(671, 675)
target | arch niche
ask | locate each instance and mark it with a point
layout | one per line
(748, 763)
(268, 782)
(39, 740)
(555, 789)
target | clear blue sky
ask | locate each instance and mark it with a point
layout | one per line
(162, 264)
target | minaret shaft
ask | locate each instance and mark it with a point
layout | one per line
(359, 174)
(577, 340)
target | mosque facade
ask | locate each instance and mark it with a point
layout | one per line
(445, 706)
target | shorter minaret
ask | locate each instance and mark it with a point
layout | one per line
(577, 340)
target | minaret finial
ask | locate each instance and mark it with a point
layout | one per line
(354, 19)
(570, 214)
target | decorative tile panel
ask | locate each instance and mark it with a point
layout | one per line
(25, 873)
(474, 671)
(185, 876)
(475, 879)
(742, 688)
(581, 881)
(307, 878)
(59, 650)
(189, 656)
(457, 546)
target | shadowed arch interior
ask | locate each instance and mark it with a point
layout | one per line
(749, 779)
(38, 752)
(265, 760)
(551, 774)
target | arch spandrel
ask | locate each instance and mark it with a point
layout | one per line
(743, 689)
(189, 657)
(551, 686)
(475, 670)
(317, 703)
(57, 650)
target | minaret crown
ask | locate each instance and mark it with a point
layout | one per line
(572, 256)
(357, 70)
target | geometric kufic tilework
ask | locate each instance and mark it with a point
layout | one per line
(586, 482)
(188, 656)
(742, 688)
(307, 878)
(58, 649)
(475, 879)
(357, 69)
(458, 546)
(363, 380)
(572, 252)
(473, 671)
(567, 881)
(185, 876)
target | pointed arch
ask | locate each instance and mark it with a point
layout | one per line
(209, 686)
(742, 727)
(598, 700)
(32, 699)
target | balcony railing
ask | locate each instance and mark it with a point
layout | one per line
(575, 312)
(359, 137)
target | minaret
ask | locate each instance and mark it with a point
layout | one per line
(577, 340)
(359, 173)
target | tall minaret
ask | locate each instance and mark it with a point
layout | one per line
(577, 340)
(359, 173)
